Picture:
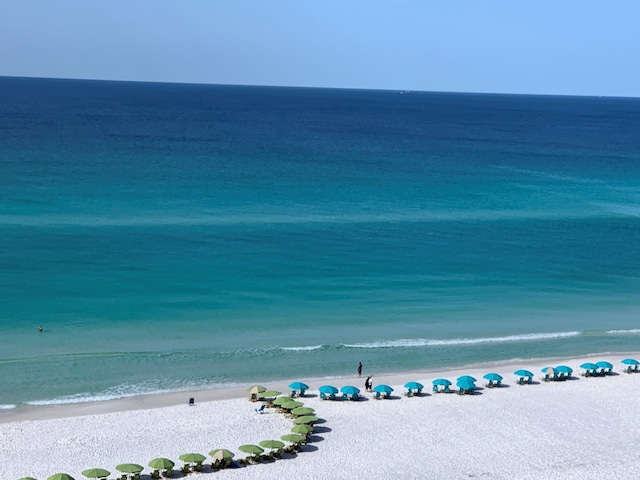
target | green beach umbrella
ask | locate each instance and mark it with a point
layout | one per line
(306, 419)
(302, 411)
(161, 463)
(272, 444)
(293, 438)
(269, 393)
(282, 400)
(192, 457)
(60, 476)
(128, 468)
(96, 473)
(302, 428)
(290, 405)
(252, 449)
(255, 389)
(27, 478)
(221, 454)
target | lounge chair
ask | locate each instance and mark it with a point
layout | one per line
(419, 392)
(435, 389)
(186, 468)
(323, 396)
(302, 393)
(155, 474)
(293, 393)
(168, 473)
(261, 409)
(447, 389)
(192, 402)
(377, 395)
(409, 393)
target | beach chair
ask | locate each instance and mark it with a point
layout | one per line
(261, 409)
(344, 396)
(186, 468)
(168, 473)
(155, 474)
(293, 393)
(435, 389)
(323, 396)
(419, 392)
(332, 396)
(447, 389)
(377, 395)
(409, 393)
(302, 393)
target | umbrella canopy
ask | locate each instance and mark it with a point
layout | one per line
(272, 444)
(269, 393)
(220, 454)
(328, 389)
(282, 400)
(27, 478)
(302, 411)
(252, 449)
(630, 361)
(302, 428)
(414, 385)
(299, 386)
(350, 390)
(604, 365)
(293, 437)
(256, 389)
(383, 389)
(523, 373)
(192, 457)
(589, 366)
(160, 464)
(291, 405)
(549, 371)
(493, 377)
(129, 468)
(467, 378)
(466, 384)
(60, 476)
(96, 473)
(442, 382)
(306, 419)
(564, 369)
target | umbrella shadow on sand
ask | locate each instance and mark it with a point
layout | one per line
(322, 430)
(315, 439)
(308, 448)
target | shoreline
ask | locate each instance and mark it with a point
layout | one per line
(510, 432)
(175, 398)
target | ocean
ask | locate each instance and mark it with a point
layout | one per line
(171, 236)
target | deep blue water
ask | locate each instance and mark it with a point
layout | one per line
(173, 236)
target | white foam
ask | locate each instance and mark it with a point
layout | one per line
(429, 342)
(303, 349)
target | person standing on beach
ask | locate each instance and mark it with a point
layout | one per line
(359, 369)
(367, 384)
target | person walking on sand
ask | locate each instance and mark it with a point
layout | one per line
(359, 369)
(367, 384)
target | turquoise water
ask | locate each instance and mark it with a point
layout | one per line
(186, 236)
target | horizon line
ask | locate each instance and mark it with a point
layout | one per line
(399, 90)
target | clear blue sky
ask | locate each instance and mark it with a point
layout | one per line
(586, 47)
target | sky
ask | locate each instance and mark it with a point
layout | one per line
(566, 47)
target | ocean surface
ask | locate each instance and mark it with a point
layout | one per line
(173, 236)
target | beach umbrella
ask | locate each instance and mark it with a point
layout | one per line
(549, 371)
(350, 390)
(466, 384)
(414, 385)
(589, 366)
(306, 419)
(302, 411)
(565, 369)
(523, 373)
(221, 454)
(291, 405)
(493, 377)
(269, 394)
(442, 382)
(299, 386)
(252, 449)
(302, 428)
(60, 476)
(282, 400)
(630, 361)
(129, 468)
(192, 457)
(604, 365)
(27, 478)
(271, 444)
(255, 389)
(467, 378)
(160, 464)
(382, 389)
(96, 473)
(293, 438)
(328, 389)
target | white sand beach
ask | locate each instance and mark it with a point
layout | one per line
(582, 428)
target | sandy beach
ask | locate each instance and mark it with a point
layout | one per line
(582, 428)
